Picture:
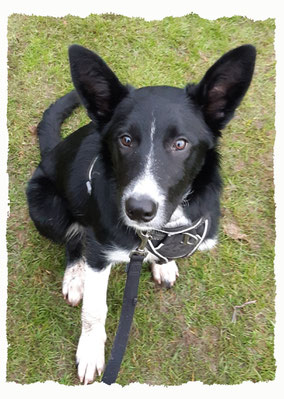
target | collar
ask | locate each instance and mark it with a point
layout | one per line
(90, 171)
(171, 243)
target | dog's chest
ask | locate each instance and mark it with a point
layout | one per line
(178, 218)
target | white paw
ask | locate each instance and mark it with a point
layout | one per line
(73, 282)
(90, 356)
(165, 274)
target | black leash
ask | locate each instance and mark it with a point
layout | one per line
(133, 270)
(165, 244)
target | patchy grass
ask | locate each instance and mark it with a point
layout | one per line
(185, 333)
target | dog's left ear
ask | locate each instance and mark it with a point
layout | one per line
(224, 85)
(98, 87)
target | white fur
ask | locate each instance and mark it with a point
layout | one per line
(153, 131)
(90, 352)
(146, 185)
(165, 274)
(208, 244)
(73, 282)
(117, 255)
(178, 219)
(73, 230)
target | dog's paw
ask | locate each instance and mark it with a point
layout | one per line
(73, 282)
(165, 274)
(90, 356)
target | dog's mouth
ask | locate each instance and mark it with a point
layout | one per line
(140, 226)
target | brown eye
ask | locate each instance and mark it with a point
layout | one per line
(180, 144)
(126, 141)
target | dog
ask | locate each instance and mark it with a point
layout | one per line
(147, 161)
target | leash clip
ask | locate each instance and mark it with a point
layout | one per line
(141, 249)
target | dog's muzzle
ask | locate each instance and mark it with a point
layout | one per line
(141, 209)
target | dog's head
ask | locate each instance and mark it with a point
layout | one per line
(158, 137)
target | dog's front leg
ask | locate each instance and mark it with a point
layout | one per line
(90, 356)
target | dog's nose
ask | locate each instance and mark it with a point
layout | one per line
(141, 209)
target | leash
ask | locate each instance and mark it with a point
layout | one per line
(164, 244)
(133, 270)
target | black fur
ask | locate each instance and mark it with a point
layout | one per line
(57, 193)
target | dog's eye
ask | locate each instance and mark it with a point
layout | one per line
(180, 144)
(126, 141)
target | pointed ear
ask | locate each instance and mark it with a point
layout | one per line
(224, 85)
(98, 87)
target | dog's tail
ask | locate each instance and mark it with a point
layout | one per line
(48, 130)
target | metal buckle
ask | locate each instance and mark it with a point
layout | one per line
(140, 250)
(187, 236)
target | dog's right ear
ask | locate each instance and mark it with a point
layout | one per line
(98, 87)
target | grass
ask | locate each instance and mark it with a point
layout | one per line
(178, 335)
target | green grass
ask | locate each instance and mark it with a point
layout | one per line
(185, 333)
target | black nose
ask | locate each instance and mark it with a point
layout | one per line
(142, 209)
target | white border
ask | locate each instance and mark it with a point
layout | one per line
(147, 9)
(210, 9)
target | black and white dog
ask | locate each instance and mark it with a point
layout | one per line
(147, 161)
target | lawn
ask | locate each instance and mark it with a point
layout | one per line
(185, 333)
